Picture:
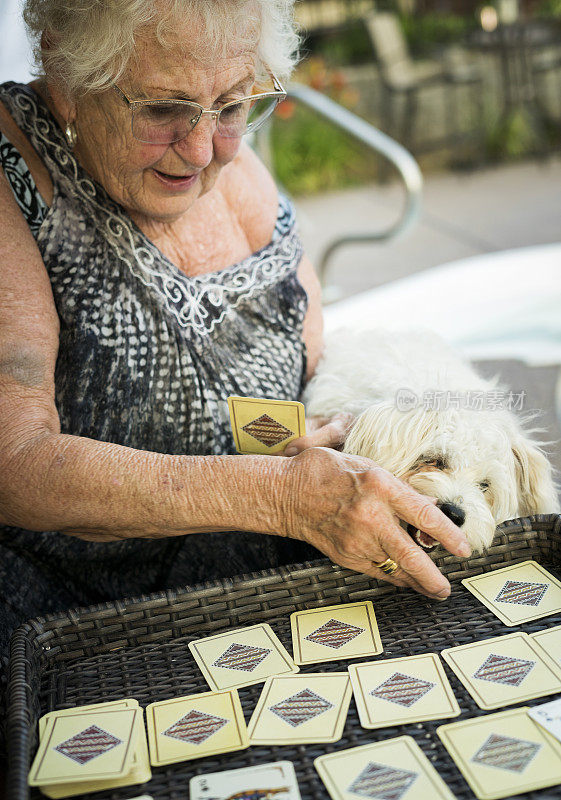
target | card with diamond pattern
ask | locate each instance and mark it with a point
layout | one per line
(301, 709)
(195, 726)
(399, 691)
(394, 769)
(77, 748)
(265, 427)
(518, 593)
(503, 754)
(140, 771)
(548, 643)
(335, 633)
(242, 657)
(503, 670)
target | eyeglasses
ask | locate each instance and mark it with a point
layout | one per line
(169, 121)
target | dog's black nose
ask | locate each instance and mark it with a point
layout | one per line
(453, 512)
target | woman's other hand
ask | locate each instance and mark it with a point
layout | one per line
(322, 432)
(350, 509)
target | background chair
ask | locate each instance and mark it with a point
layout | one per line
(403, 79)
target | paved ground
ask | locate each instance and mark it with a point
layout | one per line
(463, 214)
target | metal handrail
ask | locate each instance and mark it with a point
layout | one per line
(377, 141)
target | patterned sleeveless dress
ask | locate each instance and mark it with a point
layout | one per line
(147, 359)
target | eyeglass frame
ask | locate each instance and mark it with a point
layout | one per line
(280, 93)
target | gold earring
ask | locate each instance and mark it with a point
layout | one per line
(71, 134)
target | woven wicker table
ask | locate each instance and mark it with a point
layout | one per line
(138, 648)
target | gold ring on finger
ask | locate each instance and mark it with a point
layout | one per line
(388, 566)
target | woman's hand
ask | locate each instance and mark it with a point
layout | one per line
(349, 508)
(322, 432)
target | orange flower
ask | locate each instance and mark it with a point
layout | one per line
(286, 109)
(338, 81)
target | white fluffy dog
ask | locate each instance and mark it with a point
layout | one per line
(427, 417)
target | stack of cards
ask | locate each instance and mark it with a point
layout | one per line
(265, 782)
(91, 748)
(504, 670)
(265, 426)
(503, 754)
(519, 593)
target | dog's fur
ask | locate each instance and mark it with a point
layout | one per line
(483, 461)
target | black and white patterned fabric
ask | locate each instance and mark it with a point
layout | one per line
(23, 186)
(147, 359)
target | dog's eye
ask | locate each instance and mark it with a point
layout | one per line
(433, 461)
(484, 485)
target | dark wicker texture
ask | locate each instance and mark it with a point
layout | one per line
(138, 648)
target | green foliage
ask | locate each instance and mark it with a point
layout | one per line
(311, 155)
(428, 32)
(549, 8)
(424, 34)
(349, 46)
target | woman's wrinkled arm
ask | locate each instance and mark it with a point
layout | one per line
(98, 490)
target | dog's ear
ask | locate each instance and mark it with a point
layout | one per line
(537, 493)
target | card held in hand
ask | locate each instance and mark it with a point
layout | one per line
(265, 427)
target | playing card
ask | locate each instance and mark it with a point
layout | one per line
(548, 642)
(398, 691)
(503, 670)
(394, 768)
(548, 715)
(519, 593)
(127, 702)
(301, 709)
(93, 746)
(503, 754)
(241, 657)
(195, 726)
(265, 782)
(265, 426)
(140, 771)
(335, 633)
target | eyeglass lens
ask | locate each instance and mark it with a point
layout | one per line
(165, 123)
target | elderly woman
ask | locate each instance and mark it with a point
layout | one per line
(149, 269)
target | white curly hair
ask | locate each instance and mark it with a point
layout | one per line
(90, 42)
